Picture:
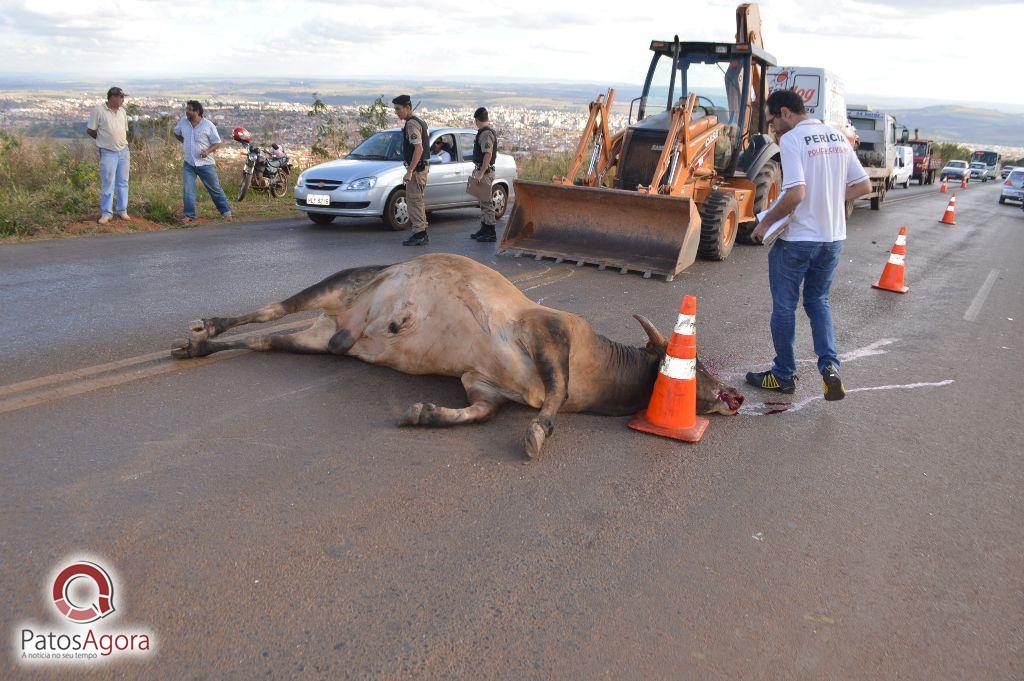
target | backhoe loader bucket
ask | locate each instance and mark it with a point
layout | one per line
(645, 233)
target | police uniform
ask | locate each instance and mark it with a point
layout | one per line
(416, 135)
(486, 141)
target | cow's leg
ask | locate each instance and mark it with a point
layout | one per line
(549, 348)
(332, 292)
(484, 401)
(322, 337)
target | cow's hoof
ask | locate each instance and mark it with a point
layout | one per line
(534, 441)
(183, 349)
(420, 414)
(200, 329)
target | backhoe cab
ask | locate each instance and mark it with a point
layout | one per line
(700, 138)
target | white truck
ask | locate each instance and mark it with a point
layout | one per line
(823, 92)
(876, 148)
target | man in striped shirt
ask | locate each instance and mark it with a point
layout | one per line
(200, 139)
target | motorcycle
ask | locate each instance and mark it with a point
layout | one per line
(265, 170)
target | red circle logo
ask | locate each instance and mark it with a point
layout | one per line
(83, 614)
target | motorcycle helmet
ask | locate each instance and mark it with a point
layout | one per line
(241, 135)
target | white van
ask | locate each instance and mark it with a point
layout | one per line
(904, 167)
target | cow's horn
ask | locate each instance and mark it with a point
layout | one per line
(657, 340)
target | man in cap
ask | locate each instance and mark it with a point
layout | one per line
(108, 125)
(416, 156)
(485, 149)
(199, 137)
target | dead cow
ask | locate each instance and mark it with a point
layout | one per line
(449, 315)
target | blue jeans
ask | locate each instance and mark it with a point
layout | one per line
(813, 264)
(208, 174)
(114, 173)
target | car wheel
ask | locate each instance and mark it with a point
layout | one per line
(499, 197)
(396, 211)
(1002, 199)
(320, 218)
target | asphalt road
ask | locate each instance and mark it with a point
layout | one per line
(263, 516)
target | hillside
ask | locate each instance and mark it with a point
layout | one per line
(965, 124)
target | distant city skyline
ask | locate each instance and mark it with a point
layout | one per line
(916, 51)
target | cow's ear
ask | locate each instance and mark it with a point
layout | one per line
(657, 341)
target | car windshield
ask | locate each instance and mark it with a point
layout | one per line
(381, 146)
(958, 164)
(920, 148)
(1016, 176)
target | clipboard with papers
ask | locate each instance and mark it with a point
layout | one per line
(777, 229)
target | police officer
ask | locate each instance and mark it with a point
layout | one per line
(485, 149)
(416, 157)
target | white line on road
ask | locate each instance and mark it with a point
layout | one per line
(777, 407)
(979, 299)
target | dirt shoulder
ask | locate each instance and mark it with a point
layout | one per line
(116, 225)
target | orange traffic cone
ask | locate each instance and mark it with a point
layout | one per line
(942, 189)
(672, 411)
(892, 275)
(949, 217)
(963, 183)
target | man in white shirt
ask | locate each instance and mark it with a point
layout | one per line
(108, 125)
(438, 151)
(200, 139)
(820, 173)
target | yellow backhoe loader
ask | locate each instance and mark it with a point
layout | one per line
(686, 179)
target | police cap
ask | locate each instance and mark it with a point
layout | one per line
(402, 100)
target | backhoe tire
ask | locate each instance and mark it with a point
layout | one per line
(719, 217)
(766, 190)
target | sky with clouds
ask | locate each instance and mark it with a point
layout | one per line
(945, 50)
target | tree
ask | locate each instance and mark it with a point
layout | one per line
(329, 139)
(373, 118)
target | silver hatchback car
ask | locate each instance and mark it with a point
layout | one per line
(368, 182)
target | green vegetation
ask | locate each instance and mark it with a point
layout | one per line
(542, 167)
(46, 185)
(951, 151)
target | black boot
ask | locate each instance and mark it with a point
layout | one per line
(487, 235)
(417, 239)
(480, 232)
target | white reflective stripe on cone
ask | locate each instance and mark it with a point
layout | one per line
(901, 240)
(949, 208)
(682, 369)
(896, 259)
(686, 325)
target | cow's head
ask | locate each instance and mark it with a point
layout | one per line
(713, 396)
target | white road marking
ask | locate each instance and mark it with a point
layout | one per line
(975, 307)
(859, 353)
(762, 408)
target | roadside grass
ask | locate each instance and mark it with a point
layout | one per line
(48, 185)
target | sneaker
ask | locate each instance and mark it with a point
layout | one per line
(226, 217)
(834, 388)
(188, 220)
(124, 216)
(104, 219)
(417, 239)
(488, 236)
(769, 381)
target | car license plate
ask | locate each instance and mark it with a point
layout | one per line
(318, 199)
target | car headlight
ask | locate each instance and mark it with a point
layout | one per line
(362, 184)
(302, 180)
